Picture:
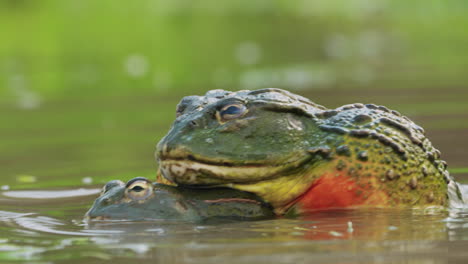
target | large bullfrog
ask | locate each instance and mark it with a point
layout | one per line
(300, 156)
(139, 199)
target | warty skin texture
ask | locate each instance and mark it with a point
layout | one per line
(300, 156)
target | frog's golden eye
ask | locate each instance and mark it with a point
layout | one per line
(139, 189)
(231, 111)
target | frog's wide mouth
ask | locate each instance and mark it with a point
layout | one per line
(193, 171)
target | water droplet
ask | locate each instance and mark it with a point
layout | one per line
(248, 53)
(350, 227)
(337, 46)
(27, 99)
(87, 180)
(136, 65)
(26, 178)
(335, 234)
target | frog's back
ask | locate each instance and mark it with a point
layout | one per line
(378, 157)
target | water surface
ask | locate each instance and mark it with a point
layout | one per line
(56, 169)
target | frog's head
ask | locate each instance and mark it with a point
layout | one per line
(244, 137)
(138, 199)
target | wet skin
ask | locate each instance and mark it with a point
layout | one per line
(140, 199)
(300, 156)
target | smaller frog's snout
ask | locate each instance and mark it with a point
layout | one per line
(111, 192)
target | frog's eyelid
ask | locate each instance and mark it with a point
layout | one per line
(137, 179)
(230, 101)
(135, 186)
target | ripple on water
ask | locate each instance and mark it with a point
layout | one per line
(46, 229)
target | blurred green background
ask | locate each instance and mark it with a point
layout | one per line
(87, 88)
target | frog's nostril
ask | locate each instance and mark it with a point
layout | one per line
(193, 123)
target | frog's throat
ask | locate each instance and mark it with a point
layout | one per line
(277, 185)
(190, 172)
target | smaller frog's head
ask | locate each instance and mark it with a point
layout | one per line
(237, 137)
(138, 199)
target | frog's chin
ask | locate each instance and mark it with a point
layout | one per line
(191, 172)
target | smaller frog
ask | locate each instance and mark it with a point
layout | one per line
(139, 199)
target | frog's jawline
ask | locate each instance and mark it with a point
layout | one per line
(189, 171)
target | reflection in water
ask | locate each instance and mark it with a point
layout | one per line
(51, 194)
(325, 236)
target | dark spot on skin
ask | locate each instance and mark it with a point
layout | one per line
(193, 123)
(424, 171)
(343, 150)
(387, 160)
(363, 155)
(360, 133)
(341, 165)
(430, 156)
(444, 164)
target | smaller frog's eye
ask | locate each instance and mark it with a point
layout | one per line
(139, 189)
(230, 111)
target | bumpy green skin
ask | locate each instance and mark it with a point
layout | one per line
(390, 147)
(169, 203)
(284, 142)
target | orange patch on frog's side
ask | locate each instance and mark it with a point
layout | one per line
(341, 191)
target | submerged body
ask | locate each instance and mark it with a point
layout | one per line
(299, 156)
(140, 199)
